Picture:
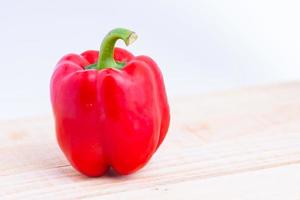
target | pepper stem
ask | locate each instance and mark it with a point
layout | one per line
(106, 59)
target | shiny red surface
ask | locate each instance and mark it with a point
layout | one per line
(109, 117)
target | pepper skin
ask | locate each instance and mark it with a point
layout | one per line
(110, 110)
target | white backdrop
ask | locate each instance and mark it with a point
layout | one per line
(201, 46)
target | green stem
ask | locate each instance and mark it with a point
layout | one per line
(106, 59)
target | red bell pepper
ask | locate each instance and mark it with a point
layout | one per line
(110, 107)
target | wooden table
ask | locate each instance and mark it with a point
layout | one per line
(242, 144)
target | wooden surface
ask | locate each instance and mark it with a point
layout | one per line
(243, 144)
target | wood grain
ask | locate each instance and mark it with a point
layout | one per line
(242, 144)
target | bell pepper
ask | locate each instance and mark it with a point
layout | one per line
(110, 107)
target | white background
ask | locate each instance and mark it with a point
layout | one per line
(200, 46)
